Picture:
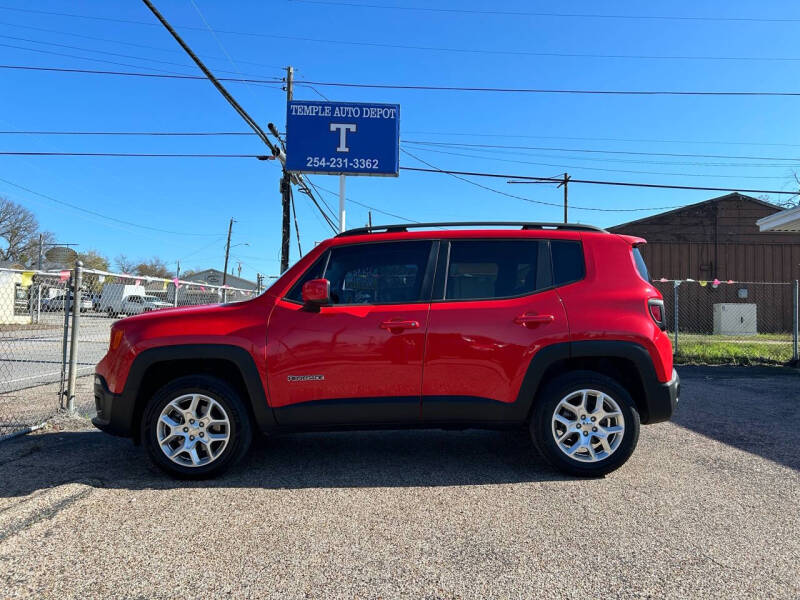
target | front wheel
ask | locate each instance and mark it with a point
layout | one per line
(585, 424)
(196, 427)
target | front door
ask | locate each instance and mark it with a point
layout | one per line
(359, 360)
(494, 307)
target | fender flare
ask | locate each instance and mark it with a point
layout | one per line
(238, 356)
(631, 351)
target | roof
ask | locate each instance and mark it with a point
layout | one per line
(785, 220)
(214, 277)
(731, 196)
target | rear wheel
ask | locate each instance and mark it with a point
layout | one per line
(585, 424)
(196, 427)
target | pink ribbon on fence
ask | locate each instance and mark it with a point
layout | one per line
(176, 282)
(63, 275)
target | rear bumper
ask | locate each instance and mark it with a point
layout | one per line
(114, 413)
(662, 398)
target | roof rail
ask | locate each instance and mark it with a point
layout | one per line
(521, 224)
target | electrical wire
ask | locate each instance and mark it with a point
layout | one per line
(421, 87)
(605, 170)
(442, 133)
(102, 215)
(127, 43)
(594, 151)
(433, 170)
(460, 11)
(296, 226)
(513, 13)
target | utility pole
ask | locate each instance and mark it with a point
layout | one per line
(41, 241)
(227, 254)
(369, 219)
(564, 183)
(286, 187)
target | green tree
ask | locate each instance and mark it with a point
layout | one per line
(153, 267)
(92, 259)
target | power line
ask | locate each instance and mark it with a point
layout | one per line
(551, 14)
(136, 155)
(478, 134)
(579, 167)
(447, 88)
(134, 133)
(378, 210)
(526, 178)
(424, 48)
(442, 133)
(598, 158)
(127, 43)
(593, 151)
(442, 171)
(94, 51)
(273, 81)
(420, 87)
(101, 215)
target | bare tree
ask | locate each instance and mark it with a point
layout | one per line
(19, 229)
(124, 264)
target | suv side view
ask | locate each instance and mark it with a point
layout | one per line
(553, 327)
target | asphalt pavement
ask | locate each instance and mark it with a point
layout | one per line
(708, 506)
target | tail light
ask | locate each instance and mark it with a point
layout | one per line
(656, 309)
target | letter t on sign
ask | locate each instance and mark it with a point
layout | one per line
(343, 128)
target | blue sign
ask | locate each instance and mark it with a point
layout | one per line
(343, 138)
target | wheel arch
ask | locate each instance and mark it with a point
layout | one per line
(156, 367)
(628, 363)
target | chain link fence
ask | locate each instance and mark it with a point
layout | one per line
(731, 322)
(37, 318)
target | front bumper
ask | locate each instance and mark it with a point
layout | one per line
(114, 413)
(662, 399)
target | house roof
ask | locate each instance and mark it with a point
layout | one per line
(785, 220)
(731, 196)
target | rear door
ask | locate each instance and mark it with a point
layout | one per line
(494, 307)
(358, 360)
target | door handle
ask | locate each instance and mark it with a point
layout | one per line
(531, 320)
(399, 325)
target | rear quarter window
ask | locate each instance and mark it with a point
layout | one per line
(641, 267)
(568, 263)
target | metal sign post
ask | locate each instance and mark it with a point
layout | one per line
(341, 203)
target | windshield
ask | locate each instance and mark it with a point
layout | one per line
(151, 299)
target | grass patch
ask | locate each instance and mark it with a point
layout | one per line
(743, 353)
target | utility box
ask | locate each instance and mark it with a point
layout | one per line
(735, 319)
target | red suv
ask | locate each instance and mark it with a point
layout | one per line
(554, 327)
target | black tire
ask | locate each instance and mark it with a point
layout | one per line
(240, 427)
(541, 423)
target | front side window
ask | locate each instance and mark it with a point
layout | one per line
(383, 273)
(486, 269)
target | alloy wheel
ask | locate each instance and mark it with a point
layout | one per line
(588, 425)
(193, 430)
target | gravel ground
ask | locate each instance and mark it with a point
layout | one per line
(706, 507)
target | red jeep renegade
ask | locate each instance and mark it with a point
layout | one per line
(554, 327)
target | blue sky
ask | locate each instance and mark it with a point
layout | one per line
(196, 197)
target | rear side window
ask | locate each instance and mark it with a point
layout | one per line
(486, 269)
(640, 264)
(384, 273)
(568, 265)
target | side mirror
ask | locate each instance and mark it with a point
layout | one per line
(316, 293)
